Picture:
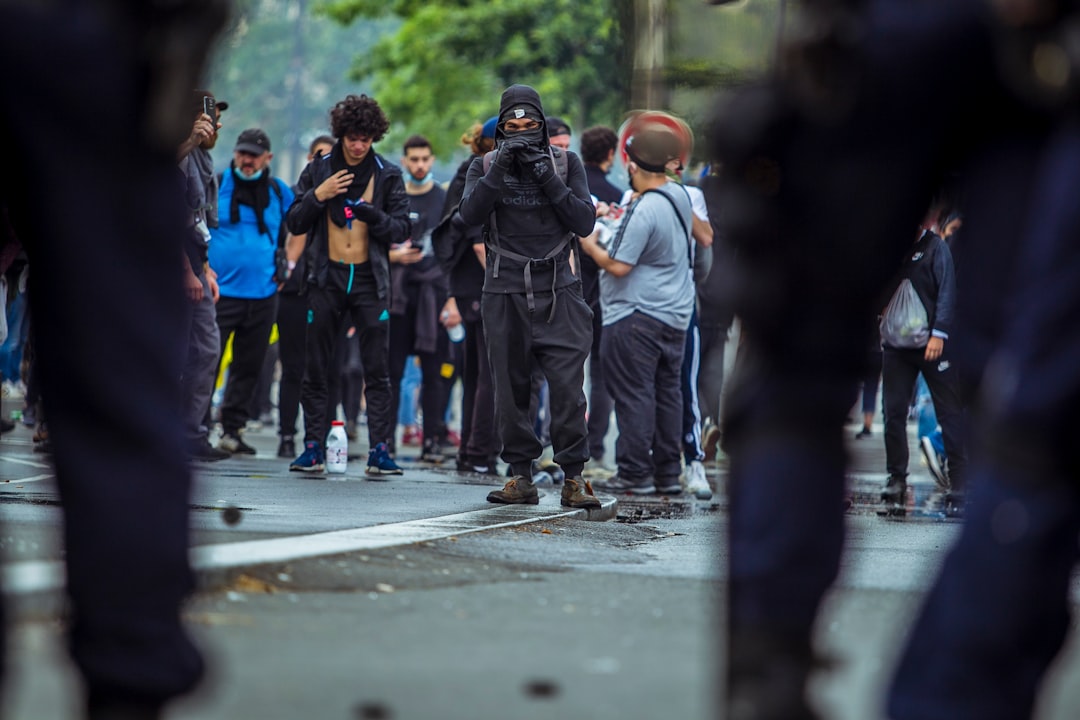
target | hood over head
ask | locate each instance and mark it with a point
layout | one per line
(521, 101)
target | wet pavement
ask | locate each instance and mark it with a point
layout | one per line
(554, 617)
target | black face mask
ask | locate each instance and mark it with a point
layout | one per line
(536, 137)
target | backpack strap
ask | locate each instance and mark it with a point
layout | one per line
(682, 223)
(491, 238)
(275, 185)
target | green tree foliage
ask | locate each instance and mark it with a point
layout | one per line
(449, 60)
(716, 48)
(281, 68)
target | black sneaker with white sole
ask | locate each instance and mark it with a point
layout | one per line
(620, 484)
(202, 451)
(234, 444)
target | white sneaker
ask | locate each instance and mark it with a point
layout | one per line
(933, 463)
(696, 482)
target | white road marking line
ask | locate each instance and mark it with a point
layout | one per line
(20, 481)
(287, 549)
(20, 461)
(39, 576)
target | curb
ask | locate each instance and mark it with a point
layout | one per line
(36, 588)
(217, 565)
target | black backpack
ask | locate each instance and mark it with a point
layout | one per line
(491, 231)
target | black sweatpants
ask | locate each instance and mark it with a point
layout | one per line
(435, 390)
(249, 322)
(479, 441)
(292, 338)
(600, 403)
(899, 370)
(516, 337)
(350, 294)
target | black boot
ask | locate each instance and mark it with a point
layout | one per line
(767, 676)
(894, 497)
(287, 447)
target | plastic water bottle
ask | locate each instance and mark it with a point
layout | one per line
(456, 333)
(337, 449)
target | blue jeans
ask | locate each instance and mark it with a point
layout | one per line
(410, 381)
(12, 350)
(928, 423)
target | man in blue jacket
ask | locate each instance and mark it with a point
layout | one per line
(251, 214)
(352, 206)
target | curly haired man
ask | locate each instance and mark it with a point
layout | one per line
(352, 206)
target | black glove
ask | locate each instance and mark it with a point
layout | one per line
(281, 266)
(508, 150)
(367, 213)
(537, 163)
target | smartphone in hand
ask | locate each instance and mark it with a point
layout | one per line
(210, 108)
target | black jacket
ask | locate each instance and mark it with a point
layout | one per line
(600, 186)
(454, 241)
(308, 215)
(532, 219)
(930, 268)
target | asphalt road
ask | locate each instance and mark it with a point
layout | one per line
(557, 618)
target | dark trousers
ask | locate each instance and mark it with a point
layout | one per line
(434, 392)
(642, 364)
(688, 386)
(292, 339)
(479, 442)
(351, 379)
(110, 354)
(899, 370)
(517, 338)
(261, 403)
(711, 372)
(328, 309)
(870, 382)
(202, 355)
(249, 322)
(600, 404)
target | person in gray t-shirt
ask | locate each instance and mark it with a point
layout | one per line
(649, 240)
(647, 295)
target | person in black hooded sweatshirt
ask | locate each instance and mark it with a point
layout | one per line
(532, 305)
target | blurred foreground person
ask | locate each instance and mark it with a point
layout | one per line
(828, 167)
(111, 201)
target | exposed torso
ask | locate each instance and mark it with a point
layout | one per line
(350, 246)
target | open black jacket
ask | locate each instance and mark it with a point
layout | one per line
(308, 215)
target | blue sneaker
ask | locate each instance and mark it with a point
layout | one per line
(380, 463)
(311, 460)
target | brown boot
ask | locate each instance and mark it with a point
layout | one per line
(517, 491)
(578, 493)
